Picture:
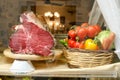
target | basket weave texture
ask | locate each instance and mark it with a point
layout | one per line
(85, 59)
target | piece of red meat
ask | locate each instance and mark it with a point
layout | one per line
(29, 16)
(30, 38)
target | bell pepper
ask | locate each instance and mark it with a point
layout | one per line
(90, 45)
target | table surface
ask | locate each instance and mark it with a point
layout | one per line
(59, 68)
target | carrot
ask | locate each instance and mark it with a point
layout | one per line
(105, 43)
(111, 39)
(108, 41)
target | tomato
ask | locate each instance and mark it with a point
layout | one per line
(81, 45)
(77, 29)
(72, 34)
(90, 45)
(76, 44)
(82, 33)
(98, 28)
(71, 43)
(84, 24)
(91, 32)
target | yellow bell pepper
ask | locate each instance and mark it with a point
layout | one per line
(90, 45)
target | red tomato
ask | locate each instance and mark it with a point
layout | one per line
(84, 24)
(81, 45)
(77, 29)
(98, 28)
(76, 45)
(91, 31)
(71, 43)
(82, 33)
(72, 34)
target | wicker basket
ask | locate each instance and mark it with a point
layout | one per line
(77, 58)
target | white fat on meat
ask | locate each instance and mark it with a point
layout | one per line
(31, 17)
(18, 27)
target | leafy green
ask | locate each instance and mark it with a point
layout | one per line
(62, 41)
(102, 35)
(26, 78)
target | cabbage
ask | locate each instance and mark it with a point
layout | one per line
(101, 36)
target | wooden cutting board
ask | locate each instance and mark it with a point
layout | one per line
(56, 55)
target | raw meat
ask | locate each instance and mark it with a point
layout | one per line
(30, 17)
(31, 37)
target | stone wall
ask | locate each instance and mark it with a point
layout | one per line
(9, 15)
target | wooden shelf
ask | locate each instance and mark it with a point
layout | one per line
(60, 69)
